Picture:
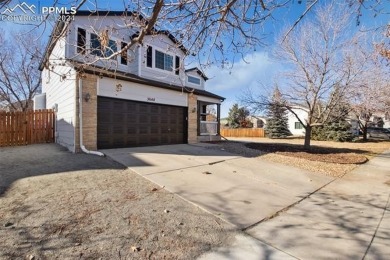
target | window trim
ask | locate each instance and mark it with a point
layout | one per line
(92, 49)
(88, 49)
(149, 63)
(194, 77)
(154, 49)
(123, 57)
(165, 55)
(99, 51)
(177, 65)
(81, 49)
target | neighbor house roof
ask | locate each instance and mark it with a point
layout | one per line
(110, 73)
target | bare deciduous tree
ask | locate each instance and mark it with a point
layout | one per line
(215, 31)
(19, 77)
(371, 97)
(320, 55)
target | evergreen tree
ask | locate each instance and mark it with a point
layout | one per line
(336, 128)
(277, 120)
(237, 117)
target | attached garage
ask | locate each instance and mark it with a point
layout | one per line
(127, 123)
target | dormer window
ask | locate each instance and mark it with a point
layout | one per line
(194, 80)
(164, 61)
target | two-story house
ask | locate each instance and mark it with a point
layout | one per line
(139, 98)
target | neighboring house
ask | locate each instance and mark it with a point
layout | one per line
(257, 121)
(295, 127)
(385, 117)
(145, 97)
(387, 120)
(17, 106)
(376, 120)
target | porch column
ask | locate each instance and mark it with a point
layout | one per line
(219, 119)
(192, 118)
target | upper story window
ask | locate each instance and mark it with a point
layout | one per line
(194, 80)
(102, 51)
(97, 48)
(123, 54)
(164, 61)
(81, 40)
(161, 60)
(177, 65)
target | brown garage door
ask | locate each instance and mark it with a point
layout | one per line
(124, 123)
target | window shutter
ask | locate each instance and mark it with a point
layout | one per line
(149, 57)
(177, 65)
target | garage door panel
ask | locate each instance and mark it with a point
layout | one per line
(124, 123)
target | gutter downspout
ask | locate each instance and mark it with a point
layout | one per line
(85, 150)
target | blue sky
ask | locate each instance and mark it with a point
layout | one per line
(258, 69)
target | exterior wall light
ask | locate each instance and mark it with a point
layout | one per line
(87, 97)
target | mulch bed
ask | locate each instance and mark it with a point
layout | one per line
(316, 153)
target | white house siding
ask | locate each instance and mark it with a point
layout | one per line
(118, 32)
(162, 43)
(292, 120)
(61, 92)
(134, 58)
(132, 91)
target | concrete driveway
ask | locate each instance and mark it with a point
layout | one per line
(242, 191)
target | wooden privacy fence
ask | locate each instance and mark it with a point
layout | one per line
(22, 128)
(243, 132)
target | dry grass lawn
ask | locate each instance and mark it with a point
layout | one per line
(58, 205)
(329, 158)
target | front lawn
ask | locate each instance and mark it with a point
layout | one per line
(328, 158)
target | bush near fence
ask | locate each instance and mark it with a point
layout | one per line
(243, 132)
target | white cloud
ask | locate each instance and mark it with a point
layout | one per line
(256, 69)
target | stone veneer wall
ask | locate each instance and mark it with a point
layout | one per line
(89, 113)
(192, 118)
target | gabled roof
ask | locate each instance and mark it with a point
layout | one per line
(169, 35)
(60, 26)
(200, 73)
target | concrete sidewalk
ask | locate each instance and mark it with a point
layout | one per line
(347, 219)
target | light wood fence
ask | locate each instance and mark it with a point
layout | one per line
(243, 132)
(22, 128)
